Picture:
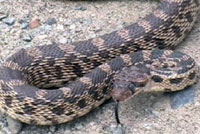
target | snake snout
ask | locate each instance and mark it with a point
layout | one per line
(128, 83)
(121, 94)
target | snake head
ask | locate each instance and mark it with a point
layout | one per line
(128, 83)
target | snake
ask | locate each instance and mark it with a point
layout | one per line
(160, 71)
(57, 83)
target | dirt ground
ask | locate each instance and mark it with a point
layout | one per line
(67, 21)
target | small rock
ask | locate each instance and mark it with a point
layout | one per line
(34, 23)
(20, 21)
(51, 21)
(63, 40)
(24, 25)
(27, 38)
(52, 129)
(67, 132)
(72, 27)
(9, 21)
(88, 22)
(3, 15)
(119, 130)
(14, 126)
(78, 126)
(119, 27)
(3, 132)
(147, 126)
(42, 37)
(79, 7)
(180, 98)
(45, 28)
(60, 27)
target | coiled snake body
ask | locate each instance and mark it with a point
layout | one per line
(91, 65)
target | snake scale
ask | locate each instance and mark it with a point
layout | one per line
(79, 75)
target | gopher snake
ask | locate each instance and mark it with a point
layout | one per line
(90, 64)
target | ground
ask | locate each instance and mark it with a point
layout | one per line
(25, 23)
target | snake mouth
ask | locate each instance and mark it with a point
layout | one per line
(122, 95)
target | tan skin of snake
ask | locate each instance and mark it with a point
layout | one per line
(25, 75)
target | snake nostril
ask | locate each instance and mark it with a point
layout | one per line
(140, 84)
(131, 87)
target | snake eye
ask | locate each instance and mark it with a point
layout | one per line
(131, 87)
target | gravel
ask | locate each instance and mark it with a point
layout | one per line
(180, 98)
(2, 15)
(14, 126)
(24, 25)
(9, 21)
(51, 21)
(79, 7)
(68, 21)
(63, 40)
(26, 37)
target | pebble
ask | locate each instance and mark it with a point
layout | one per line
(147, 126)
(27, 38)
(34, 23)
(60, 27)
(14, 126)
(63, 40)
(24, 25)
(72, 27)
(52, 129)
(3, 132)
(118, 130)
(79, 7)
(51, 21)
(180, 98)
(20, 21)
(78, 126)
(45, 28)
(9, 21)
(67, 132)
(119, 27)
(88, 22)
